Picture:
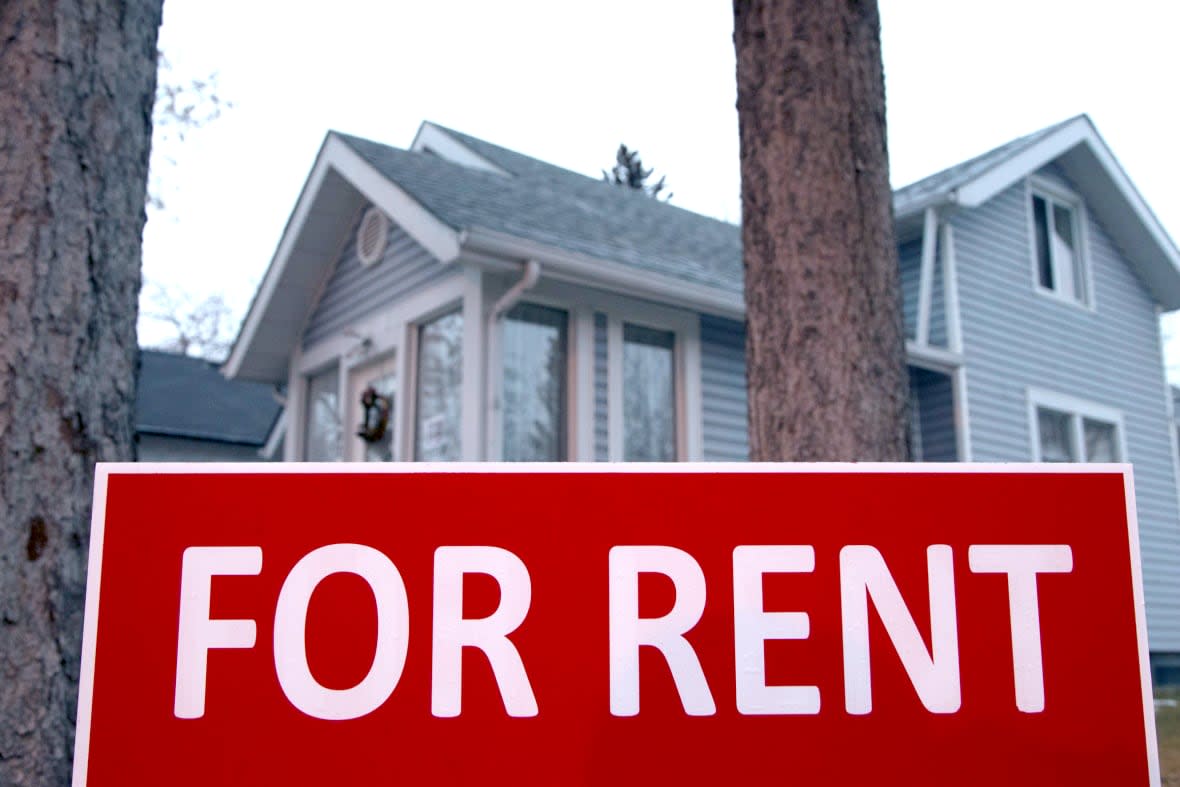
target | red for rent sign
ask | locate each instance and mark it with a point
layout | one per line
(692, 624)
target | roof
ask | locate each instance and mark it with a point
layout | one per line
(456, 194)
(941, 184)
(544, 203)
(179, 396)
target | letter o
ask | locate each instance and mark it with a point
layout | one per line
(393, 627)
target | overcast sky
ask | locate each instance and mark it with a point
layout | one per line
(567, 82)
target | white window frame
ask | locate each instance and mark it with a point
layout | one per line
(581, 304)
(575, 340)
(686, 357)
(1077, 410)
(306, 376)
(1052, 193)
(392, 330)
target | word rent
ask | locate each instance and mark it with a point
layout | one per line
(864, 577)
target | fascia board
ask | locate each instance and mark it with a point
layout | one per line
(1080, 132)
(432, 234)
(580, 269)
(991, 182)
(278, 263)
(420, 224)
(451, 149)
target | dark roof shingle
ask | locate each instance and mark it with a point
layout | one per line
(550, 205)
(188, 397)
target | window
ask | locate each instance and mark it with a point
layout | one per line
(321, 439)
(534, 384)
(649, 394)
(1070, 430)
(1057, 246)
(439, 395)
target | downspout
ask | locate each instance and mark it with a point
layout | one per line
(528, 280)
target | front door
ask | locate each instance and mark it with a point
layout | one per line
(371, 428)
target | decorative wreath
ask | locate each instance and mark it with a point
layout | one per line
(375, 419)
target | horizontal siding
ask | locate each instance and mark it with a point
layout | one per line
(353, 291)
(935, 411)
(723, 390)
(1016, 338)
(601, 450)
(909, 256)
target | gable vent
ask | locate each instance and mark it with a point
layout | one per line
(372, 236)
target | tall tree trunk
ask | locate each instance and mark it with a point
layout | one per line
(825, 348)
(78, 80)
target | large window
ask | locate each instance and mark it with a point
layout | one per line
(1067, 430)
(649, 394)
(535, 362)
(439, 395)
(321, 438)
(1057, 246)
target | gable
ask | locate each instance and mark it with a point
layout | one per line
(353, 290)
(1076, 147)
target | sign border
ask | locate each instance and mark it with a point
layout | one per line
(104, 470)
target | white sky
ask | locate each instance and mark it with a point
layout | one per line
(567, 82)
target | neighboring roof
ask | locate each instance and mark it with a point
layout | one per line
(550, 205)
(188, 397)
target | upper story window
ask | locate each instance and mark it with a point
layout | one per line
(1071, 430)
(1058, 250)
(535, 372)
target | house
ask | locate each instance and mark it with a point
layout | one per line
(509, 309)
(186, 411)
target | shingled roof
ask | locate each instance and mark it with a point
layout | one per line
(547, 204)
(179, 396)
(935, 187)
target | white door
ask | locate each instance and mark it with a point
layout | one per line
(371, 432)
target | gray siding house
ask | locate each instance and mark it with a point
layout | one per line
(501, 308)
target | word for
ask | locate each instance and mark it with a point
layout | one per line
(864, 576)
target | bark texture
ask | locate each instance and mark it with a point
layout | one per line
(77, 79)
(825, 344)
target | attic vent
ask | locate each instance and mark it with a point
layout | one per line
(371, 236)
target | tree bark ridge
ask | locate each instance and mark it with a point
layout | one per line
(76, 98)
(825, 342)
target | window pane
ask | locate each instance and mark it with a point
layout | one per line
(534, 385)
(1100, 441)
(1065, 258)
(1056, 436)
(321, 439)
(1041, 228)
(440, 389)
(649, 395)
(382, 450)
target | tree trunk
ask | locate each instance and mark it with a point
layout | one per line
(75, 128)
(825, 348)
